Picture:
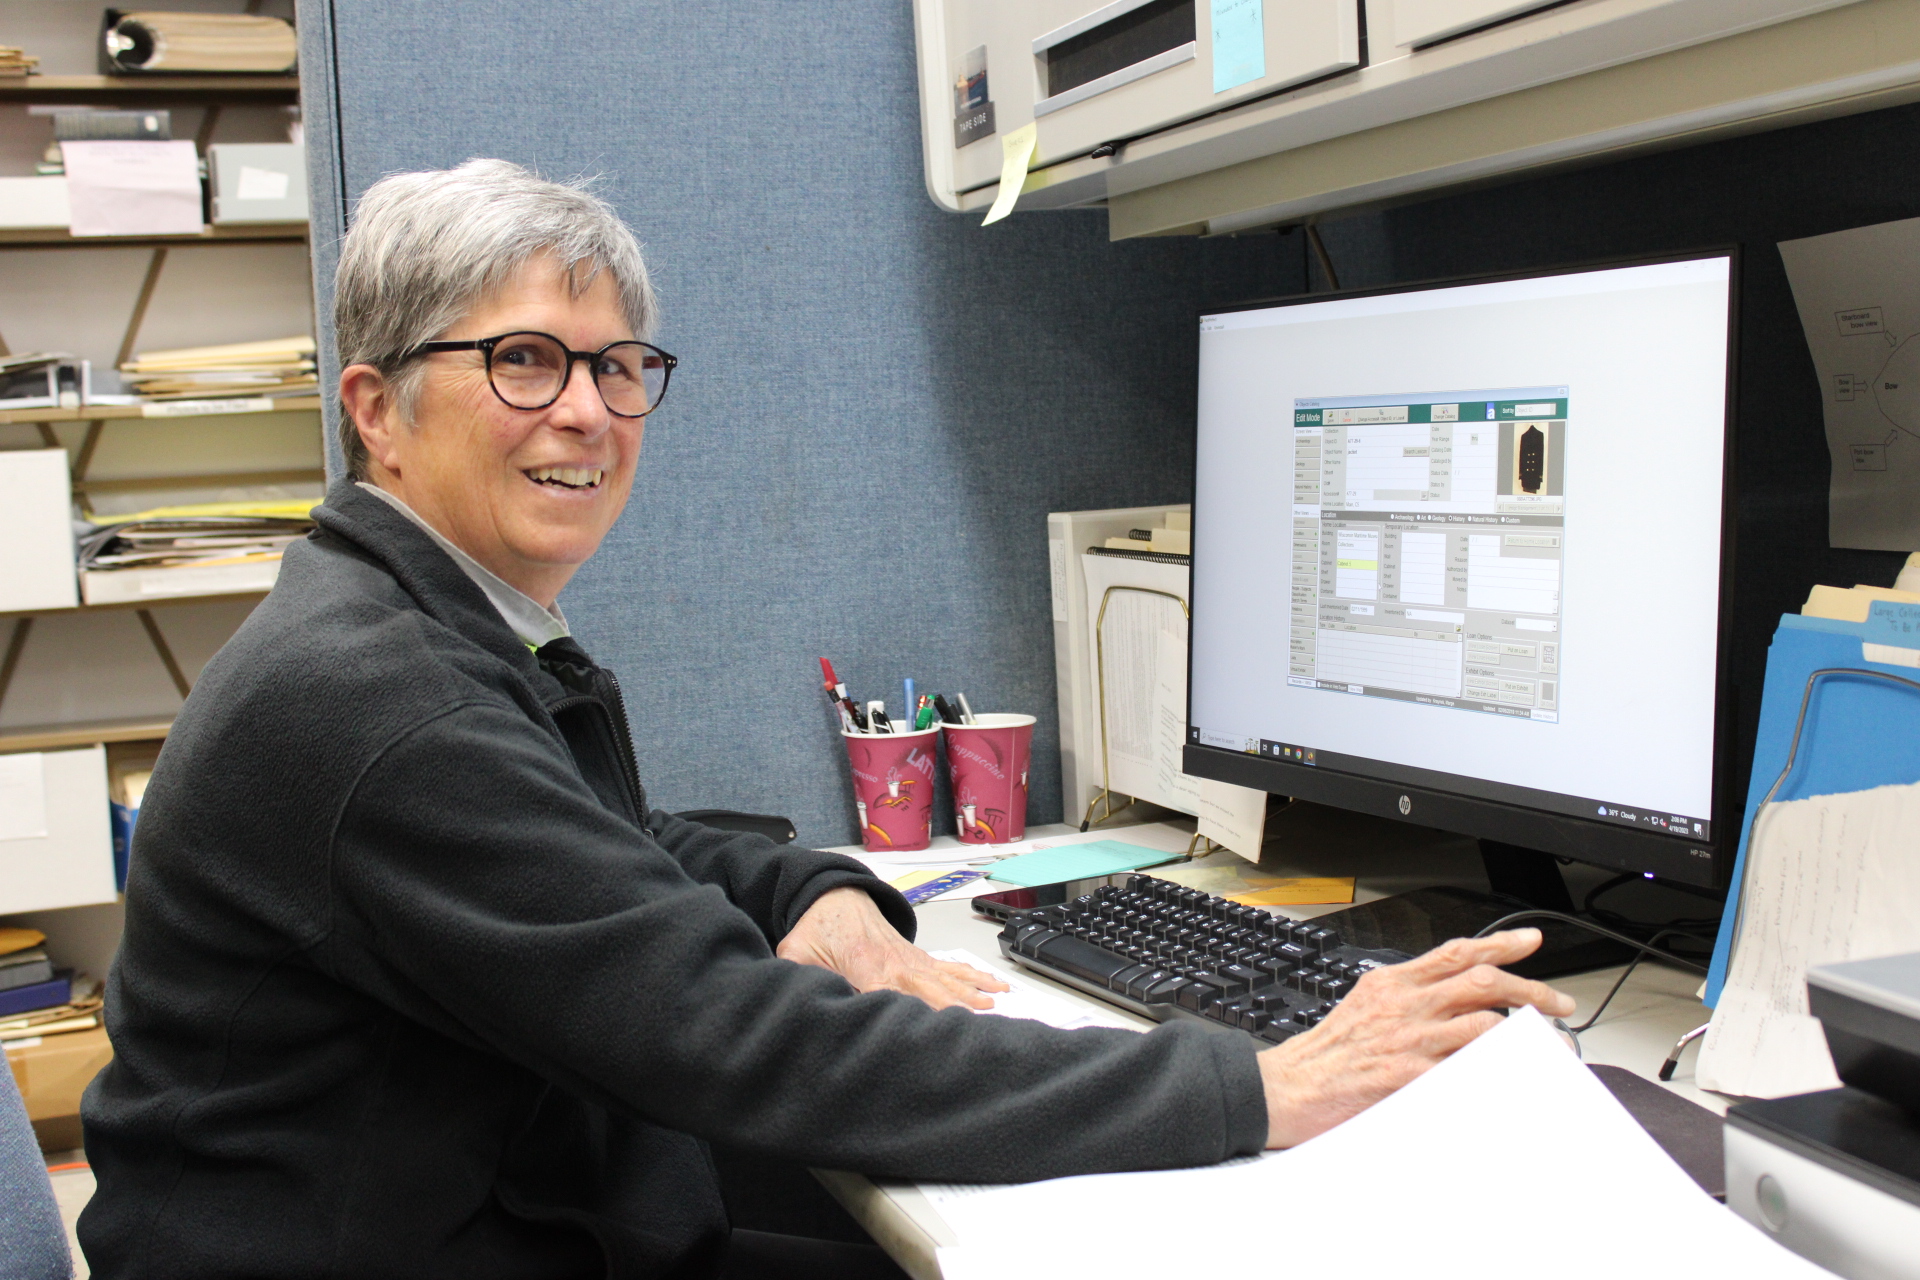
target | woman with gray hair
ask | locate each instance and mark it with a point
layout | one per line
(415, 983)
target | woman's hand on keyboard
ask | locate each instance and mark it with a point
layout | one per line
(843, 931)
(1397, 1022)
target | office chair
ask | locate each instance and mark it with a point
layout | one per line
(33, 1243)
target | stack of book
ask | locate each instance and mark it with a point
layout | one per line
(29, 986)
(16, 63)
(250, 370)
(204, 549)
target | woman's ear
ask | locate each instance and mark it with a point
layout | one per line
(368, 400)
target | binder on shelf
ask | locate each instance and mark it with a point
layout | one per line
(153, 42)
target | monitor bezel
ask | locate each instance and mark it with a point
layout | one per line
(1606, 844)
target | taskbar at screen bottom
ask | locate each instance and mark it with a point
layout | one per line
(1638, 817)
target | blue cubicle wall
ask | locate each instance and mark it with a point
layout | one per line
(878, 403)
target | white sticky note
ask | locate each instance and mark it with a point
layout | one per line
(1239, 43)
(260, 184)
(133, 188)
(23, 796)
(1016, 153)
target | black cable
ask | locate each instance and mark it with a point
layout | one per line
(1621, 982)
(1591, 927)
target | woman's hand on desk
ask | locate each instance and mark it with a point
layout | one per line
(843, 931)
(1395, 1024)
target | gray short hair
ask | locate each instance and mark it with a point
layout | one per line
(425, 249)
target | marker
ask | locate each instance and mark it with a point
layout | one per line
(966, 712)
(923, 714)
(944, 710)
(837, 695)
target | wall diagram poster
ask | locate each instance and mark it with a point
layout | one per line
(1858, 293)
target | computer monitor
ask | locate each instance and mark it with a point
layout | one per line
(1460, 554)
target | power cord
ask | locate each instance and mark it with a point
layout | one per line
(1644, 950)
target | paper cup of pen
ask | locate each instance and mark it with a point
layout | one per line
(893, 788)
(988, 761)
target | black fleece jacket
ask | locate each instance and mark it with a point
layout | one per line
(413, 984)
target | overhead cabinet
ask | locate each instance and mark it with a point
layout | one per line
(1222, 115)
(1102, 74)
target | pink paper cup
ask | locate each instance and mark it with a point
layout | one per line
(988, 761)
(893, 788)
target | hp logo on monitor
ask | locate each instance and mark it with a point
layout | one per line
(1406, 805)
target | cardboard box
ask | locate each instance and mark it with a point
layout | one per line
(36, 530)
(57, 849)
(52, 1072)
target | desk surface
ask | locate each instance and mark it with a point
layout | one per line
(1655, 1008)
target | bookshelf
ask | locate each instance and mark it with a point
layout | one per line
(253, 233)
(219, 451)
(155, 91)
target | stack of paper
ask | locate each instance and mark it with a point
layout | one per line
(1471, 1170)
(282, 367)
(191, 550)
(16, 62)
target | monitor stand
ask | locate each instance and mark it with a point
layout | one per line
(1520, 879)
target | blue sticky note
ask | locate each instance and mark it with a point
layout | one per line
(1239, 43)
(1893, 622)
(1075, 862)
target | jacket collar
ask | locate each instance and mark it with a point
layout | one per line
(440, 587)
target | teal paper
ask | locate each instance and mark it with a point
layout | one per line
(1075, 862)
(1239, 43)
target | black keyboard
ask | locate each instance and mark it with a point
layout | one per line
(1167, 951)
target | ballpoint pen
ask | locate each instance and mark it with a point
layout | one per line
(912, 704)
(966, 712)
(877, 720)
(944, 710)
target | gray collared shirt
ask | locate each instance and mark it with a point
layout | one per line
(532, 621)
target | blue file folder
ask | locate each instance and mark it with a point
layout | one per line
(1860, 732)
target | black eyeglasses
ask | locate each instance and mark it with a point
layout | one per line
(530, 370)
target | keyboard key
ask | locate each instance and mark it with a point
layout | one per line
(1219, 985)
(1140, 983)
(1243, 978)
(1118, 982)
(1079, 958)
(1166, 992)
(1323, 940)
(1033, 938)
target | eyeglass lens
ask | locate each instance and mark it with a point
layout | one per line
(529, 370)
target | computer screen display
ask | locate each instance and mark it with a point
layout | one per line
(1468, 538)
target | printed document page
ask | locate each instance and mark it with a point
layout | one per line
(1828, 878)
(1858, 292)
(1483, 1167)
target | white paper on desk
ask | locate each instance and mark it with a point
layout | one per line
(133, 188)
(23, 796)
(1028, 999)
(1828, 878)
(1492, 1165)
(1858, 293)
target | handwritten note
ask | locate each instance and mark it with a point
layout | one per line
(1828, 878)
(1239, 43)
(1016, 153)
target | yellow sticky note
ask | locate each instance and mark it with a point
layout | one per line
(1300, 891)
(1016, 153)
